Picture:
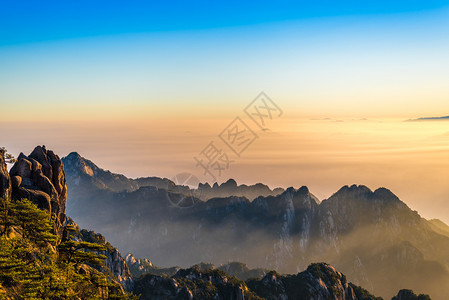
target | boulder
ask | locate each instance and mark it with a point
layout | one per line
(40, 154)
(22, 168)
(16, 181)
(40, 198)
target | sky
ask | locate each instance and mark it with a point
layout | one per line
(142, 88)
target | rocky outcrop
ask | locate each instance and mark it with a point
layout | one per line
(318, 282)
(410, 295)
(117, 264)
(193, 283)
(241, 271)
(114, 262)
(138, 267)
(5, 181)
(40, 178)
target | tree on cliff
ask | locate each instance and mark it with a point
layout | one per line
(31, 267)
(76, 253)
(9, 158)
(37, 261)
(33, 223)
(5, 216)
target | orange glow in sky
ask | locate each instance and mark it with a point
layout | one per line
(410, 158)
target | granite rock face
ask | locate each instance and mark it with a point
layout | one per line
(40, 177)
(114, 262)
(410, 295)
(193, 283)
(117, 264)
(320, 282)
(5, 181)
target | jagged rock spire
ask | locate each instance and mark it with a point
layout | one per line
(40, 177)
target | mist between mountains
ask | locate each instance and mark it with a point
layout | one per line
(218, 155)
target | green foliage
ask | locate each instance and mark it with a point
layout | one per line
(33, 223)
(9, 158)
(80, 252)
(34, 266)
(6, 219)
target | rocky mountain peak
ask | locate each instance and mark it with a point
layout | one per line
(77, 165)
(74, 156)
(130, 259)
(386, 195)
(303, 190)
(82, 171)
(231, 183)
(410, 295)
(353, 191)
(204, 185)
(360, 193)
(290, 190)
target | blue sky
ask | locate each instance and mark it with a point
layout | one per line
(139, 58)
(34, 21)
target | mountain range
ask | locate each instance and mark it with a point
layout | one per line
(373, 237)
(67, 262)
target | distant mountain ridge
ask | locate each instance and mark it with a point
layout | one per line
(430, 119)
(139, 267)
(84, 170)
(372, 236)
(319, 281)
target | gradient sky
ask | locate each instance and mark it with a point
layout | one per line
(318, 57)
(141, 88)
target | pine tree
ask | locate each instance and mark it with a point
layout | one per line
(17, 270)
(32, 268)
(9, 158)
(80, 252)
(33, 223)
(5, 216)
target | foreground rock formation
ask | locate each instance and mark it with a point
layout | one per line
(114, 262)
(40, 178)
